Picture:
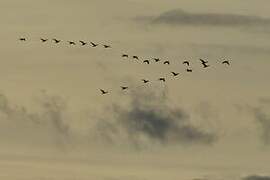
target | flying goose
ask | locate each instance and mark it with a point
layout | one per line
(174, 73)
(103, 91)
(146, 61)
(166, 62)
(186, 62)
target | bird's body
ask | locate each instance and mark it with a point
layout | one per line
(83, 43)
(189, 70)
(226, 62)
(43, 40)
(145, 81)
(124, 87)
(146, 61)
(22, 39)
(71, 42)
(135, 57)
(186, 62)
(205, 65)
(103, 91)
(162, 79)
(93, 44)
(174, 73)
(166, 62)
(156, 59)
(56, 41)
(125, 55)
(106, 46)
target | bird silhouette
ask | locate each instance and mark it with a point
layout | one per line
(189, 70)
(145, 81)
(135, 57)
(124, 87)
(71, 42)
(166, 62)
(156, 59)
(43, 40)
(125, 55)
(226, 62)
(174, 73)
(162, 79)
(22, 39)
(103, 91)
(93, 44)
(56, 41)
(146, 61)
(186, 62)
(204, 63)
(83, 43)
(106, 46)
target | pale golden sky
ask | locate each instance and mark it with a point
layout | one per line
(209, 124)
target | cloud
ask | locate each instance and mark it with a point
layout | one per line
(256, 177)
(262, 118)
(180, 17)
(49, 122)
(264, 121)
(148, 119)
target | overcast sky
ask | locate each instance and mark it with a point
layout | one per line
(212, 123)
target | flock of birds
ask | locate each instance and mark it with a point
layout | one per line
(205, 64)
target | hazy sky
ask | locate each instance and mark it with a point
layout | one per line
(212, 123)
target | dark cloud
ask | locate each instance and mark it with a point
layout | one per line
(256, 177)
(180, 17)
(150, 119)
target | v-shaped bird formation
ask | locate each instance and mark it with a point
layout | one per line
(204, 63)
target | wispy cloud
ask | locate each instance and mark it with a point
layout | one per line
(264, 121)
(256, 177)
(50, 119)
(181, 17)
(262, 118)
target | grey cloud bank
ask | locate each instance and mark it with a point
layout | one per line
(256, 177)
(181, 17)
(149, 119)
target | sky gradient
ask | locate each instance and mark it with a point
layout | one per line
(210, 124)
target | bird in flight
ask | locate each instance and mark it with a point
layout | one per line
(125, 55)
(43, 40)
(226, 62)
(174, 73)
(56, 41)
(83, 43)
(106, 46)
(124, 87)
(189, 70)
(93, 44)
(71, 42)
(166, 62)
(103, 91)
(156, 59)
(145, 81)
(186, 62)
(135, 57)
(22, 39)
(204, 63)
(146, 61)
(162, 79)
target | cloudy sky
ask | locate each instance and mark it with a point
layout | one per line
(212, 123)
